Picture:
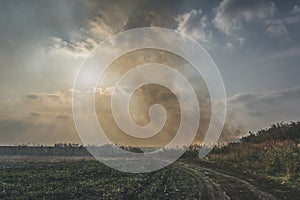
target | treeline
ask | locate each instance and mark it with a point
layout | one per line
(56, 150)
(274, 151)
(63, 149)
(279, 131)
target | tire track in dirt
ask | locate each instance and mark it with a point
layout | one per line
(219, 183)
(208, 189)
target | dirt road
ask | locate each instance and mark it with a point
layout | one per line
(212, 184)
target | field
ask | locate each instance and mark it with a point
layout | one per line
(265, 165)
(84, 178)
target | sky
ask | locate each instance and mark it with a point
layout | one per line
(254, 43)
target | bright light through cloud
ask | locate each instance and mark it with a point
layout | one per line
(252, 42)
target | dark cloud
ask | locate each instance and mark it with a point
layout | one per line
(39, 118)
(117, 16)
(263, 109)
(33, 96)
(63, 116)
(106, 18)
(151, 14)
(53, 97)
(35, 114)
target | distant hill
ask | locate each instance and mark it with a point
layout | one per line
(277, 132)
(273, 153)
